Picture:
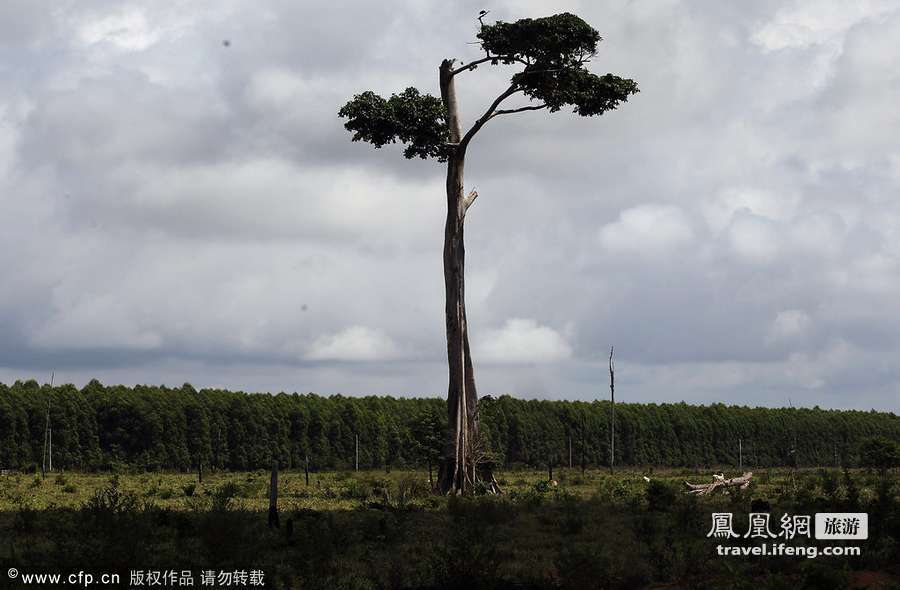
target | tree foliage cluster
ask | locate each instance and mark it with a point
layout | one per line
(552, 52)
(412, 118)
(151, 427)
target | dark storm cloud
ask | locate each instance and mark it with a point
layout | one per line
(181, 210)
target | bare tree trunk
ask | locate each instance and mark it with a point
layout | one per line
(612, 399)
(48, 432)
(456, 473)
(583, 444)
(46, 435)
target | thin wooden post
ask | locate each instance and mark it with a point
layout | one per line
(583, 445)
(307, 469)
(357, 452)
(550, 467)
(740, 455)
(47, 435)
(570, 450)
(273, 496)
(200, 470)
(612, 399)
(793, 452)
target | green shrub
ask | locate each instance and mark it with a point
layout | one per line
(356, 490)
(830, 483)
(111, 501)
(223, 497)
(541, 487)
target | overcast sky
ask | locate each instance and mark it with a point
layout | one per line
(175, 208)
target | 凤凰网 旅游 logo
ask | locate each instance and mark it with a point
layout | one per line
(827, 526)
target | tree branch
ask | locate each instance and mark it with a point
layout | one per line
(536, 107)
(487, 115)
(473, 64)
(468, 200)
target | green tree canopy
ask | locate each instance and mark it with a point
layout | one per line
(412, 118)
(553, 51)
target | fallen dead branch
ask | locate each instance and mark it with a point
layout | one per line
(719, 482)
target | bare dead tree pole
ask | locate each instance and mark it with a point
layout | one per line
(357, 453)
(570, 450)
(740, 455)
(47, 436)
(307, 469)
(612, 399)
(583, 444)
(793, 452)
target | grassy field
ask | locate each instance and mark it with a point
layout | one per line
(347, 490)
(386, 530)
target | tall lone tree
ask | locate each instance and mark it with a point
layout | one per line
(550, 55)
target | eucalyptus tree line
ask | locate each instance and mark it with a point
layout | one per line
(143, 427)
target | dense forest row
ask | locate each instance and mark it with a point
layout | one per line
(146, 427)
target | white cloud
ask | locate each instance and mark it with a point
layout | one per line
(651, 228)
(821, 233)
(522, 341)
(721, 210)
(754, 239)
(96, 323)
(789, 324)
(802, 23)
(357, 343)
(281, 88)
(127, 29)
